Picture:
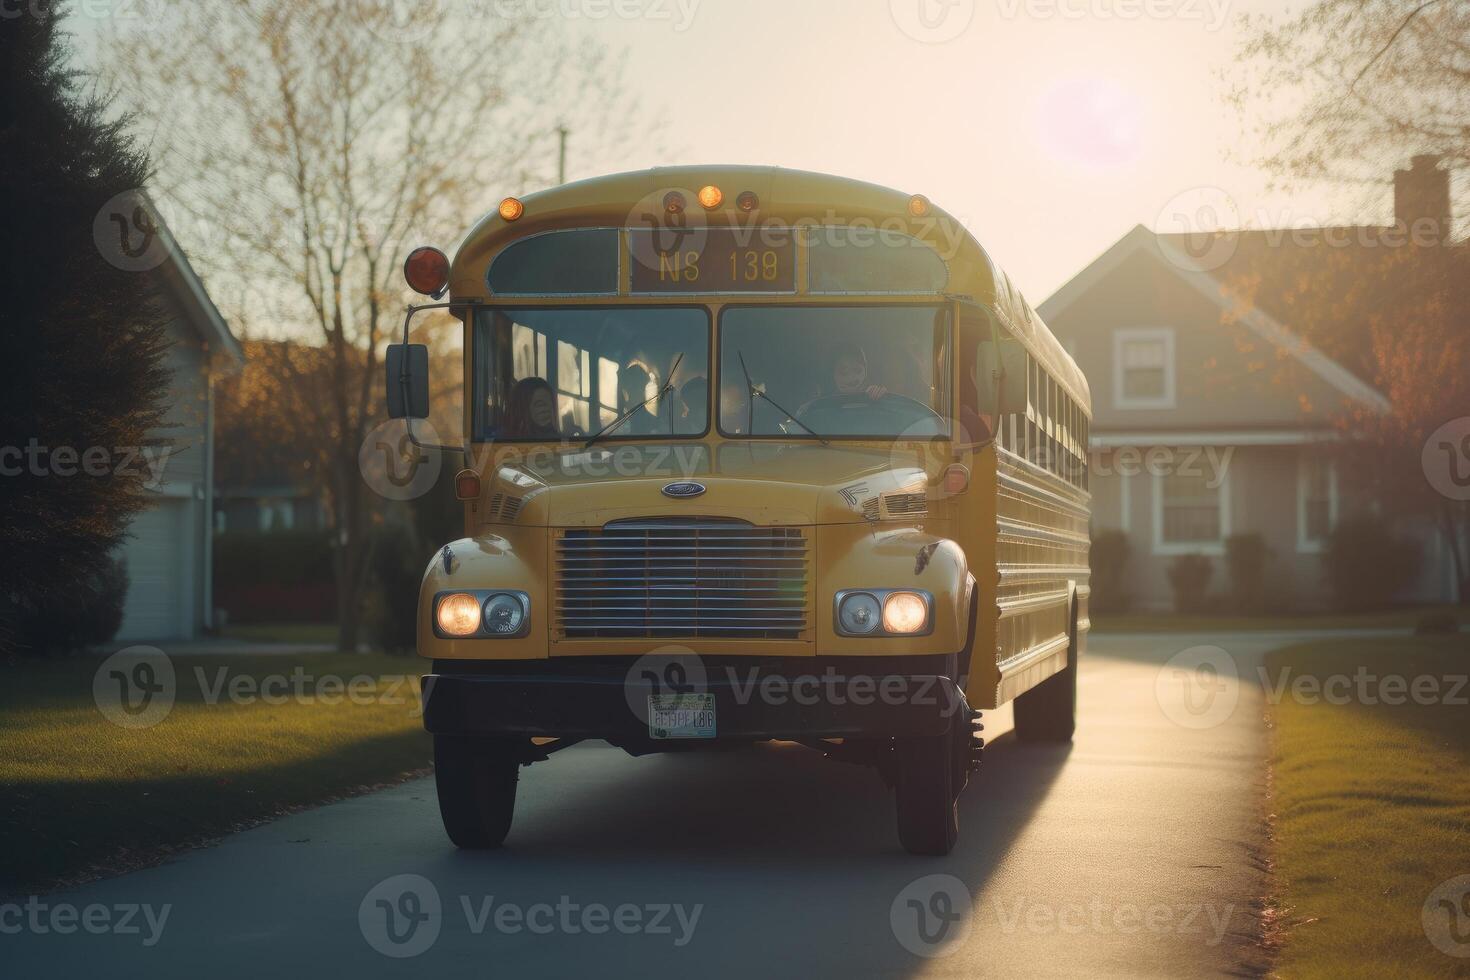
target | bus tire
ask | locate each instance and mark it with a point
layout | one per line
(925, 798)
(476, 781)
(1048, 712)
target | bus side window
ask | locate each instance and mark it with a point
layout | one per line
(1033, 411)
(979, 369)
(1086, 454)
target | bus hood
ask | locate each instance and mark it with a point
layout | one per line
(762, 482)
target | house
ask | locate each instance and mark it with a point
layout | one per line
(1212, 416)
(169, 544)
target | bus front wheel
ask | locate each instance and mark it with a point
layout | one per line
(925, 795)
(476, 780)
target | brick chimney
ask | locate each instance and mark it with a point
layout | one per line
(1421, 199)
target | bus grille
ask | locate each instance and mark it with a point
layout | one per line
(666, 579)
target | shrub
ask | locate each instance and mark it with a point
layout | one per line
(1366, 564)
(393, 595)
(1245, 561)
(85, 366)
(275, 576)
(1189, 576)
(1109, 557)
(1431, 623)
(86, 614)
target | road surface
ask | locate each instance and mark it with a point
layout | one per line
(1137, 851)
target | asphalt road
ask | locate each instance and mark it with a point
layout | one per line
(1137, 851)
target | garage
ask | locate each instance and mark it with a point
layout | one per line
(160, 577)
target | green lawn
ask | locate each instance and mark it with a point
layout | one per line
(1181, 623)
(282, 632)
(1372, 807)
(80, 795)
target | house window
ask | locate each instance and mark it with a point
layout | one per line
(1190, 514)
(1143, 368)
(1316, 502)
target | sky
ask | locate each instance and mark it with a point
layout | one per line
(1049, 127)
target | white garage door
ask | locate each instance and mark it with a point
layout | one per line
(159, 575)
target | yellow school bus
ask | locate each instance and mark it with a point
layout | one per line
(750, 454)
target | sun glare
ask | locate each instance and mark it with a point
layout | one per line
(1091, 122)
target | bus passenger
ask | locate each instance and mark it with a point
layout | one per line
(532, 411)
(689, 414)
(850, 373)
(633, 384)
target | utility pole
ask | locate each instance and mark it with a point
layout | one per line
(561, 157)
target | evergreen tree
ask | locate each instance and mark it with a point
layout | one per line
(83, 338)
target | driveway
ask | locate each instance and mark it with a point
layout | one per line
(1138, 850)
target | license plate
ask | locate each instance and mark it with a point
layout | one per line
(681, 716)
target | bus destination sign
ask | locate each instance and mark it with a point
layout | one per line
(714, 260)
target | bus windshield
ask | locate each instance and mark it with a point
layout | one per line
(875, 372)
(551, 374)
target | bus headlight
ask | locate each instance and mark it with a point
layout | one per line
(857, 613)
(458, 614)
(884, 612)
(482, 614)
(503, 614)
(905, 612)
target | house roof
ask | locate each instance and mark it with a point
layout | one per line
(184, 283)
(1216, 266)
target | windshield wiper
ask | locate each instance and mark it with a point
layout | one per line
(667, 387)
(761, 393)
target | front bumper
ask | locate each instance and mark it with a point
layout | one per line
(765, 698)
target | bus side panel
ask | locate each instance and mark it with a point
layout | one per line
(1041, 548)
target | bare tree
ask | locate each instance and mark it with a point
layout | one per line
(309, 145)
(1345, 89)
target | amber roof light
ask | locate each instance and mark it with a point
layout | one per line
(511, 208)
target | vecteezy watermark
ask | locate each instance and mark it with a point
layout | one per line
(128, 232)
(667, 689)
(932, 916)
(42, 918)
(402, 917)
(414, 21)
(932, 21)
(1198, 688)
(94, 461)
(1212, 463)
(394, 466)
(1099, 916)
(135, 687)
(1446, 459)
(1201, 227)
(671, 690)
(1211, 13)
(1446, 917)
(677, 240)
(678, 461)
(1204, 223)
(1364, 687)
(138, 687)
(299, 687)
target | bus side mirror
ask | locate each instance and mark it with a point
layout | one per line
(408, 381)
(1012, 377)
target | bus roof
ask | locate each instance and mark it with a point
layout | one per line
(787, 197)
